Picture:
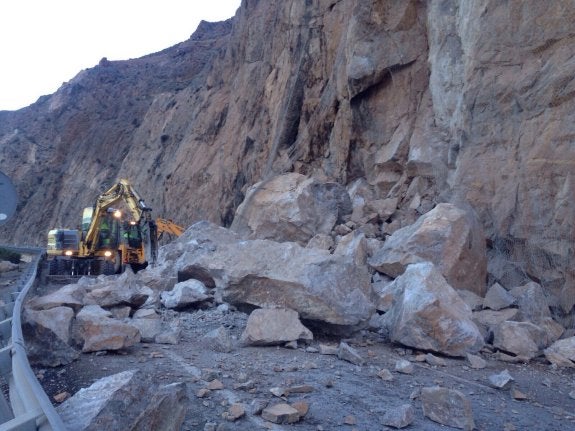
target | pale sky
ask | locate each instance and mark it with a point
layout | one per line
(44, 43)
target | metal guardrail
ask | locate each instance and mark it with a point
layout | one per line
(30, 408)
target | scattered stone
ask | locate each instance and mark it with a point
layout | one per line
(171, 336)
(71, 295)
(61, 397)
(347, 353)
(210, 426)
(349, 420)
(562, 352)
(123, 312)
(403, 366)
(518, 395)
(447, 236)
(236, 411)
(281, 413)
(435, 360)
(202, 393)
(219, 340)
(278, 391)
(272, 326)
(476, 362)
(385, 375)
(399, 417)
(299, 389)
(257, 406)
(429, 315)
(502, 380)
(215, 385)
(447, 407)
(185, 294)
(497, 298)
(302, 407)
(328, 349)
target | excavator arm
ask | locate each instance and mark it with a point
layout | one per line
(169, 227)
(121, 191)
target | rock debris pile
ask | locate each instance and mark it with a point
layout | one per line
(306, 261)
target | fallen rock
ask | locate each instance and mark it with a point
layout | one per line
(562, 352)
(502, 380)
(322, 241)
(281, 413)
(429, 315)
(272, 326)
(447, 407)
(261, 273)
(291, 207)
(235, 412)
(125, 401)
(347, 353)
(532, 302)
(474, 301)
(149, 328)
(447, 236)
(7, 266)
(117, 291)
(219, 340)
(44, 347)
(57, 319)
(71, 295)
(476, 362)
(98, 331)
(403, 366)
(385, 375)
(497, 298)
(523, 339)
(399, 417)
(435, 360)
(490, 318)
(184, 294)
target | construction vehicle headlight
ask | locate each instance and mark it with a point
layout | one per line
(118, 214)
(108, 253)
(68, 252)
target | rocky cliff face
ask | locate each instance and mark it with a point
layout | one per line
(470, 102)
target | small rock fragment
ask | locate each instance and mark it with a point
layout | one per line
(518, 395)
(435, 360)
(302, 407)
(350, 420)
(385, 375)
(281, 413)
(476, 362)
(399, 417)
(447, 407)
(347, 353)
(215, 385)
(502, 380)
(202, 393)
(61, 397)
(236, 411)
(328, 349)
(404, 366)
(278, 392)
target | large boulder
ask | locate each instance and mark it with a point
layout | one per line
(125, 401)
(262, 273)
(184, 294)
(116, 291)
(97, 330)
(291, 207)
(447, 236)
(523, 339)
(47, 334)
(428, 314)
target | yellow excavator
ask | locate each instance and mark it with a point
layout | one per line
(111, 237)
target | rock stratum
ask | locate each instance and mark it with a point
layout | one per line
(470, 103)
